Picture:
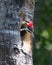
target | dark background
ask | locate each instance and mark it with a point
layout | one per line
(42, 52)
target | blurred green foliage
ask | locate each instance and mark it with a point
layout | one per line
(42, 52)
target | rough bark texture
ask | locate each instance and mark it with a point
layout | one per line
(12, 52)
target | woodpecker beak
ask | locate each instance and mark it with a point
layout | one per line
(24, 24)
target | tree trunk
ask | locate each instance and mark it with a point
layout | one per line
(15, 49)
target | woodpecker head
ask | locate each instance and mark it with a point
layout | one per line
(30, 24)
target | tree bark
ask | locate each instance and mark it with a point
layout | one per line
(13, 49)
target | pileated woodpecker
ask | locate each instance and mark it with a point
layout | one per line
(26, 26)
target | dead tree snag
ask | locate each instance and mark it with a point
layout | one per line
(15, 33)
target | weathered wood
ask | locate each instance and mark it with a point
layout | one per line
(15, 49)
